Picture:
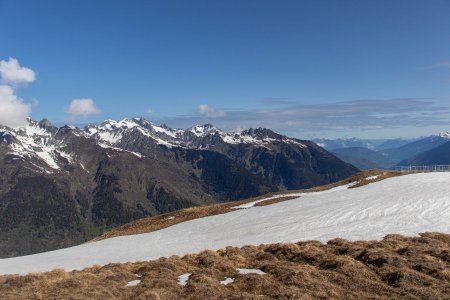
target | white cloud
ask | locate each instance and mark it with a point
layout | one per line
(82, 108)
(444, 64)
(13, 111)
(12, 73)
(210, 112)
(344, 116)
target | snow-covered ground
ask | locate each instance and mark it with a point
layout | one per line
(253, 203)
(406, 205)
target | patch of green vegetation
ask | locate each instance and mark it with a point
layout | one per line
(93, 230)
(192, 170)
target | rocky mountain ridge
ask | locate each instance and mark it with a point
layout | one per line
(45, 142)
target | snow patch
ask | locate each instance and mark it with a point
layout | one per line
(120, 150)
(203, 130)
(83, 167)
(66, 156)
(110, 138)
(291, 141)
(253, 203)
(183, 279)
(445, 134)
(250, 271)
(133, 282)
(227, 281)
(164, 130)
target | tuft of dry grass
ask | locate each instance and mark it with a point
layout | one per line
(165, 220)
(396, 267)
(275, 200)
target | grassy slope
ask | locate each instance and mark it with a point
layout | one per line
(395, 268)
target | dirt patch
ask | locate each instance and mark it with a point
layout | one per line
(396, 267)
(163, 221)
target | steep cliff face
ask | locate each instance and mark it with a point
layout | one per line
(62, 186)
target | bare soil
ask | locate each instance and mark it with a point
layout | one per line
(395, 268)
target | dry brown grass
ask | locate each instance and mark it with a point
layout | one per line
(163, 221)
(395, 268)
(275, 200)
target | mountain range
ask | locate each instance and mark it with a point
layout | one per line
(364, 158)
(388, 154)
(439, 155)
(61, 186)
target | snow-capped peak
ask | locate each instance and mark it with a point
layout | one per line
(202, 130)
(125, 123)
(36, 141)
(445, 134)
(258, 137)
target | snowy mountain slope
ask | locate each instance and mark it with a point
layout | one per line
(406, 205)
(445, 134)
(36, 142)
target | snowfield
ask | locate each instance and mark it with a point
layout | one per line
(405, 205)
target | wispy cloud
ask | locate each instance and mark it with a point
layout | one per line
(440, 65)
(82, 108)
(366, 114)
(274, 101)
(210, 112)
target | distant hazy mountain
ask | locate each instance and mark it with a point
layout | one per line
(394, 143)
(61, 186)
(436, 156)
(331, 144)
(382, 153)
(372, 144)
(412, 149)
(363, 158)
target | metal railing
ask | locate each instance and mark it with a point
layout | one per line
(429, 168)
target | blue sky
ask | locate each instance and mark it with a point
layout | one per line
(304, 68)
